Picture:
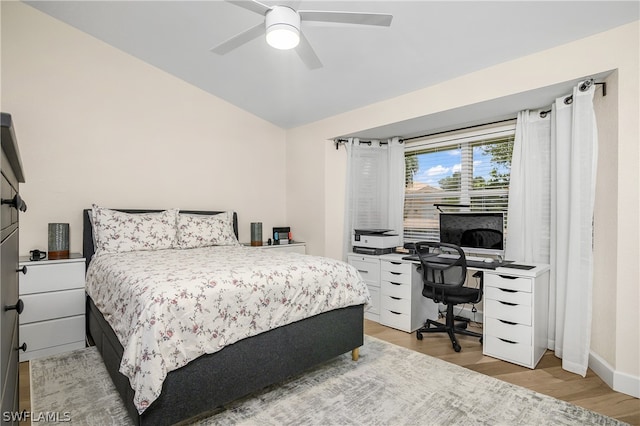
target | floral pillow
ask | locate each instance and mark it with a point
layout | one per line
(196, 230)
(117, 232)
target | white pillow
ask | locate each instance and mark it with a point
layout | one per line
(198, 230)
(117, 232)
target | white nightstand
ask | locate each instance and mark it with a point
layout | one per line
(295, 247)
(53, 319)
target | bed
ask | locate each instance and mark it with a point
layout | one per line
(236, 369)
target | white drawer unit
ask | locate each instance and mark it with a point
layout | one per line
(369, 269)
(402, 305)
(515, 314)
(53, 319)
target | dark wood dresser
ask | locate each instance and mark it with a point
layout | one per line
(10, 305)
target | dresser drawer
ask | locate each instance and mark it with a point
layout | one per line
(519, 314)
(508, 283)
(394, 289)
(57, 332)
(369, 269)
(52, 277)
(57, 304)
(512, 332)
(396, 304)
(509, 296)
(399, 267)
(396, 277)
(519, 353)
(401, 321)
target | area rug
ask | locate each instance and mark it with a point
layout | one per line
(389, 385)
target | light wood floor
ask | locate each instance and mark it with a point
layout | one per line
(548, 378)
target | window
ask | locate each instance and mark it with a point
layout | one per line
(469, 167)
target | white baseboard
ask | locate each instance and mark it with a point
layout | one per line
(616, 380)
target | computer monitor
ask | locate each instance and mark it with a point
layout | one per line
(474, 232)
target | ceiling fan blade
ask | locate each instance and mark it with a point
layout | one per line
(252, 5)
(306, 53)
(239, 39)
(380, 19)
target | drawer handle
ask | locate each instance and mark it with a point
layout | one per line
(396, 313)
(507, 322)
(392, 283)
(507, 341)
(508, 303)
(23, 347)
(16, 202)
(508, 277)
(18, 307)
(506, 290)
(23, 270)
(395, 273)
(396, 263)
(395, 298)
(363, 272)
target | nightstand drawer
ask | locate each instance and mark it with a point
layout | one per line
(509, 296)
(519, 353)
(57, 332)
(58, 304)
(512, 332)
(369, 270)
(391, 266)
(402, 290)
(508, 283)
(519, 314)
(396, 304)
(52, 277)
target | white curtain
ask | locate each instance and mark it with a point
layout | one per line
(375, 187)
(551, 201)
(529, 195)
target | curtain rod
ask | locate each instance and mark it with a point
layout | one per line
(584, 86)
(455, 130)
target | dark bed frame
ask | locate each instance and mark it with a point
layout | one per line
(238, 370)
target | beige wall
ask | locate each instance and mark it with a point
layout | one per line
(96, 125)
(618, 341)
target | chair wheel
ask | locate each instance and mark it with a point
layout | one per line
(418, 335)
(457, 347)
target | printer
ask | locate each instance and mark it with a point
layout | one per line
(374, 241)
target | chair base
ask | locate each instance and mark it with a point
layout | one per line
(450, 327)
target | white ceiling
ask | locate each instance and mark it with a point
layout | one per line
(428, 42)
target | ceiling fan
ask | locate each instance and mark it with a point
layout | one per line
(282, 27)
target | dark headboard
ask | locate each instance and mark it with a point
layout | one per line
(87, 231)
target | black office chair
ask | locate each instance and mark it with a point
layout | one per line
(443, 282)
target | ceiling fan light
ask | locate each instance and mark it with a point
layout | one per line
(283, 36)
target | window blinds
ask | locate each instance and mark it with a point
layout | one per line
(463, 167)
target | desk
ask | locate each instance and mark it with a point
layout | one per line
(515, 304)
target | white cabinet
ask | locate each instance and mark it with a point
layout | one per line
(395, 286)
(369, 268)
(402, 304)
(53, 319)
(516, 314)
(295, 247)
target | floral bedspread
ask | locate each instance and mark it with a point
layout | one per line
(168, 307)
